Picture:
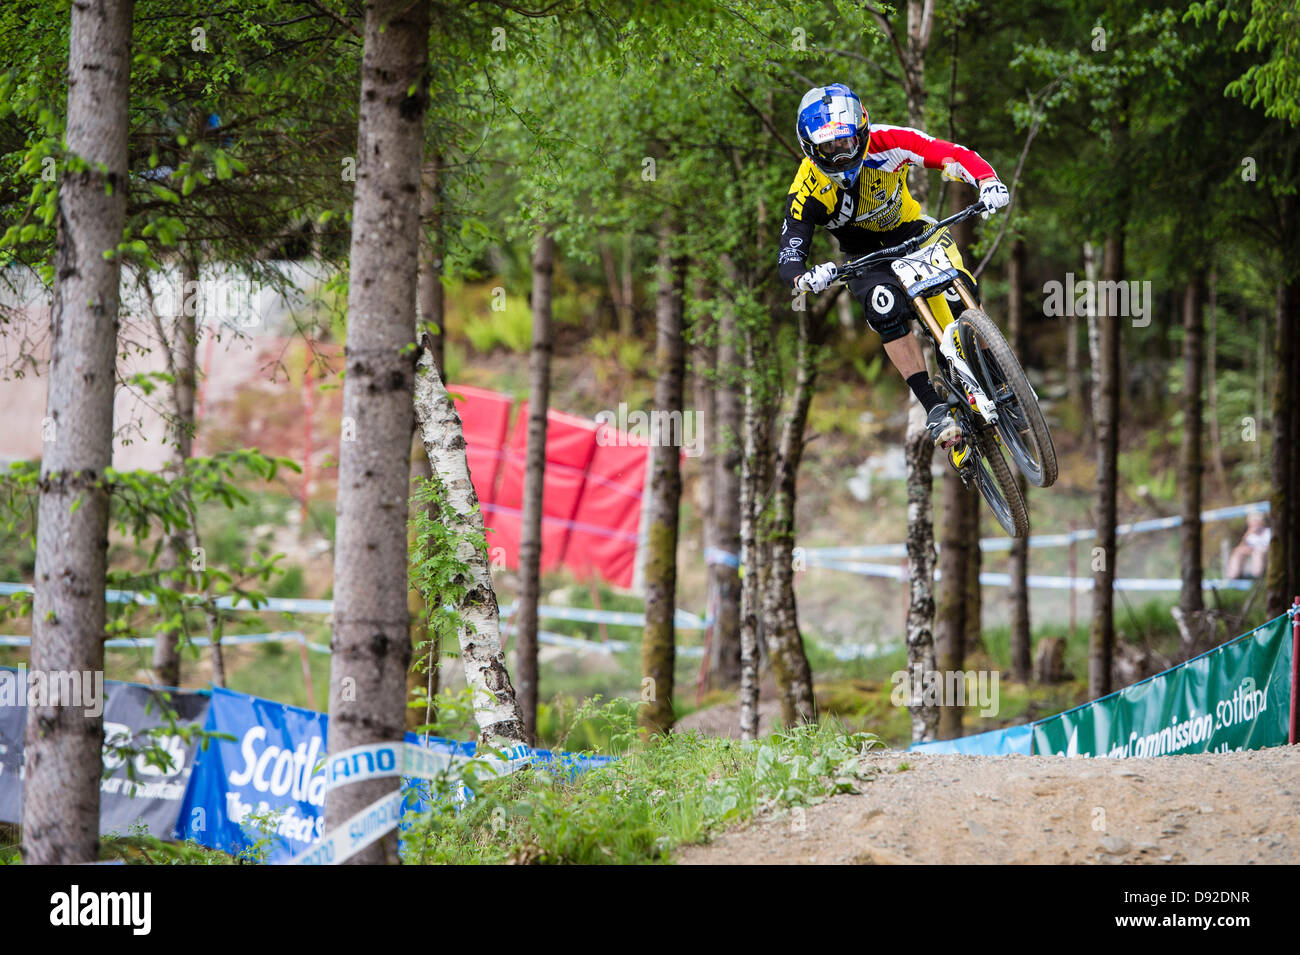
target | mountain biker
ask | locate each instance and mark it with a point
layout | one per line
(853, 181)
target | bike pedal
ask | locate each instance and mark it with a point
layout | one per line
(961, 463)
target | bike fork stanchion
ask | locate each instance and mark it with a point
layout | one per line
(1295, 668)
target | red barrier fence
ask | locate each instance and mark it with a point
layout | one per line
(591, 497)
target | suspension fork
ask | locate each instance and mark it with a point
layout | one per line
(927, 314)
(985, 406)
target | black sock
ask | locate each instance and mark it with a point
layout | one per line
(923, 388)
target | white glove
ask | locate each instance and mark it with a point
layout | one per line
(994, 195)
(817, 278)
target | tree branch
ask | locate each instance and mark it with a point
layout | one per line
(767, 123)
(1038, 116)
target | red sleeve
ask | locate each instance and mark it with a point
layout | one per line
(893, 147)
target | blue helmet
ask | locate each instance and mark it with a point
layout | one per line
(834, 130)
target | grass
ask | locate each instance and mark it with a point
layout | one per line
(664, 792)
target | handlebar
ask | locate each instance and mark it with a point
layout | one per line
(849, 269)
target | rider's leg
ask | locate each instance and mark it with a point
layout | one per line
(889, 314)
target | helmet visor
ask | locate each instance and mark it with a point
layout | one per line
(838, 154)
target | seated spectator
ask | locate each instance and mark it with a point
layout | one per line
(1250, 557)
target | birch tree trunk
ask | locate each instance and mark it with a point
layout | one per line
(496, 708)
(753, 482)
(1021, 639)
(1101, 645)
(950, 615)
(780, 611)
(372, 643)
(919, 449)
(963, 234)
(530, 532)
(62, 743)
(1094, 340)
(658, 643)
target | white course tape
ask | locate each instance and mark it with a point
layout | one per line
(385, 760)
(823, 554)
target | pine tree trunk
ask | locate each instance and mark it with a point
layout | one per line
(530, 533)
(658, 645)
(1212, 380)
(496, 709)
(780, 612)
(62, 743)
(433, 247)
(1021, 637)
(1073, 373)
(1283, 580)
(703, 373)
(921, 662)
(1190, 599)
(726, 511)
(626, 319)
(372, 643)
(179, 343)
(1101, 646)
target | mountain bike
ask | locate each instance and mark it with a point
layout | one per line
(981, 379)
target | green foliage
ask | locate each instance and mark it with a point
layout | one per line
(440, 574)
(146, 508)
(665, 791)
(510, 328)
(1272, 27)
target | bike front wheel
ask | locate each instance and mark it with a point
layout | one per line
(998, 485)
(1020, 420)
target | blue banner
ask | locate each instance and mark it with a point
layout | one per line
(1013, 739)
(263, 784)
(267, 784)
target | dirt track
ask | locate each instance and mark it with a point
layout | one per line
(1212, 808)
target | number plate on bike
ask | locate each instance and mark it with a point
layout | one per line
(924, 269)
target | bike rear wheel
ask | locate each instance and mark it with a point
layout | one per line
(998, 485)
(1020, 420)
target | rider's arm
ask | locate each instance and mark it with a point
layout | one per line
(893, 147)
(802, 215)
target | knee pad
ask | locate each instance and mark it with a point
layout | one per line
(886, 307)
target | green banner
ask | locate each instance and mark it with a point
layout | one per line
(1236, 696)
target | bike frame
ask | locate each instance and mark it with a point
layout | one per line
(925, 276)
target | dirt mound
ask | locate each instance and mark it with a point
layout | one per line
(724, 719)
(1229, 808)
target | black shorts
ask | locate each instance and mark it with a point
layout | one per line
(883, 298)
